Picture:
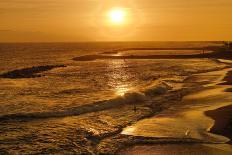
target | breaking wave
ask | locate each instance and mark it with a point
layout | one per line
(126, 99)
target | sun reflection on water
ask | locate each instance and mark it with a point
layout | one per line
(121, 90)
(119, 77)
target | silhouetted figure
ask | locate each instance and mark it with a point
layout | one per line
(228, 45)
(180, 96)
(135, 109)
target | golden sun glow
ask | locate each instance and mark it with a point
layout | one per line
(117, 16)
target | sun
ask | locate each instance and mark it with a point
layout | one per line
(117, 16)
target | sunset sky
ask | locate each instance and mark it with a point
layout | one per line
(88, 20)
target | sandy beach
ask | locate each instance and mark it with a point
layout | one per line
(207, 111)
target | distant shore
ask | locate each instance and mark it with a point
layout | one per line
(204, 53)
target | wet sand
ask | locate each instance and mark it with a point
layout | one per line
(175, 149)
(195, 118)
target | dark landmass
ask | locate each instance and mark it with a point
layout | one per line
(223, 121)
(219, 54)
(228, 90)
(111, 52)
(228, 79)
(29, 72)
(208, 48)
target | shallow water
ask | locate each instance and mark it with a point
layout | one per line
(82, 83)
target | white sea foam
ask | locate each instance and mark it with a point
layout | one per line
(157, 89)
(133, 97)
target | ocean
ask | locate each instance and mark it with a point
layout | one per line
(52, 103)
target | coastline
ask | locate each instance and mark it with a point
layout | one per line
(223, 121)
(219, 113)
(223, 115)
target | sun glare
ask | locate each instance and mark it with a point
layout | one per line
(117, 16)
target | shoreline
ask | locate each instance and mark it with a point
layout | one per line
(223, 115)
(221, 127)
(223, 121)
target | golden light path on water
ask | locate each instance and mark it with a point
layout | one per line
(118, 78)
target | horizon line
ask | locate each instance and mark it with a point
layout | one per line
(112, 41)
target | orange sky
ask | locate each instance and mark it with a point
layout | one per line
(86, 20)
